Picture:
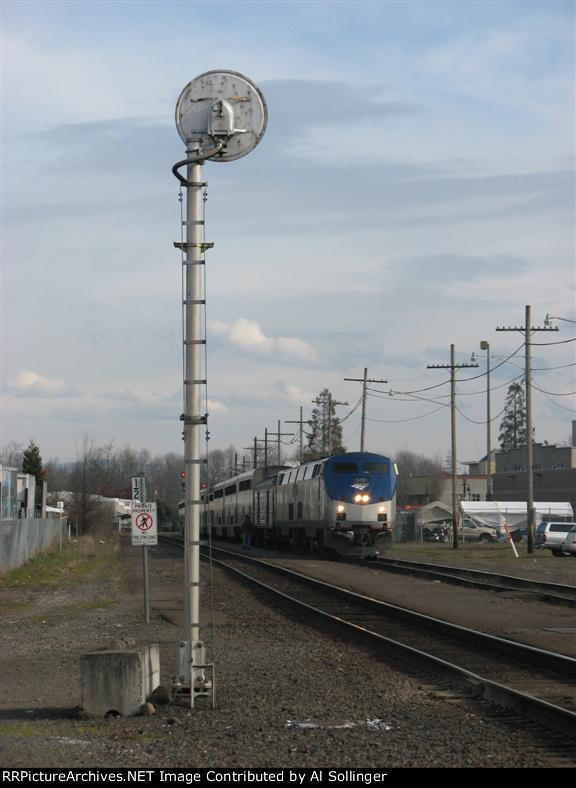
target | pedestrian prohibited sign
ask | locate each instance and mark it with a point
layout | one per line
(144, 524)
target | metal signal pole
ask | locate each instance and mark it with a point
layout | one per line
(220, 115)
(452, 366)
(364, 382)
(527, 329)
(192, 665)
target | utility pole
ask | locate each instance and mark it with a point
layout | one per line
(527, 330)
(300, 422)
(453, 367)
(279, 435)
(484, 345)
(254, 449)
(364, 382)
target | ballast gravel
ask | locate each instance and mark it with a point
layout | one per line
(288, 695)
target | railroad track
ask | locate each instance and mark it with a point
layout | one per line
(552, 593)
(534, 683)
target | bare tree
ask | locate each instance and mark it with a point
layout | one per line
(11, 454)
(84, 504)
(411, 464)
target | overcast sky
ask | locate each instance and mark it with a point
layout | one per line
(414, 188)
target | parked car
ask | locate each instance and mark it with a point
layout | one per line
(551, 536)
(568, 546)
(471, 532)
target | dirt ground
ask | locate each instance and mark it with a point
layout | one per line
(288, 695)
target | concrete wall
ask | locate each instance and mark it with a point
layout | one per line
(20, 540)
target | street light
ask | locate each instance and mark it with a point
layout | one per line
(549, 317)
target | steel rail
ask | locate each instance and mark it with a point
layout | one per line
(537, 709)
(531, 654)
(552, 593)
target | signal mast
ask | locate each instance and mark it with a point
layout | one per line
(220, 116)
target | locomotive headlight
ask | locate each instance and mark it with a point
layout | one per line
(381, 509)
(358, 498)
(365, 498)
(341, 508)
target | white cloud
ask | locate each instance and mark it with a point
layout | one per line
(30, 384)
(217, 407)
(294, 393)
(247, 335)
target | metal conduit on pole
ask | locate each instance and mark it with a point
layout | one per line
(220, 116)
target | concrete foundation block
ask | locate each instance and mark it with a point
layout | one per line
(151, 668)
(119, 682)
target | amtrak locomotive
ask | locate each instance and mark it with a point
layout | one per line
(345, 504)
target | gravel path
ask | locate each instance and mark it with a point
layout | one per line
(288, 695)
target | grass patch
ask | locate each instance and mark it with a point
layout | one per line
(75, 562)
(66, 729)
(472, 552)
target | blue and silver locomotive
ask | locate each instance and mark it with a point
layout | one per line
(345, 504)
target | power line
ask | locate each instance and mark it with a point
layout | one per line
(558, 405)
(464, 380)
(547, 369)
(413, 418)
(486, 421)
(347, 416)
(561, 342)
(554, 393)
(504, 361)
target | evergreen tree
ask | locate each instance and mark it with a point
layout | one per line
(513, 425)
(32, 462)
(325, 436)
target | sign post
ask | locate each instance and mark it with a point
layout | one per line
(138, 488)
(144, 532)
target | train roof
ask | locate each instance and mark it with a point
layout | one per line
(272, 470)
(352, 456)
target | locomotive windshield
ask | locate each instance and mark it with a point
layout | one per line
(367, 473)
(344, 467)
(352, 467)
(375, 467)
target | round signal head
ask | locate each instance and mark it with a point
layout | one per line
(222, 106)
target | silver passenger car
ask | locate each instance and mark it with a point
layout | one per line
(568, 546)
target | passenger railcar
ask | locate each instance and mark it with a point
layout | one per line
(345, 503)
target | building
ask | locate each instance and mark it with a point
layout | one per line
(422, 490)
(479, 467)
(554, 474)
(8, 493)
